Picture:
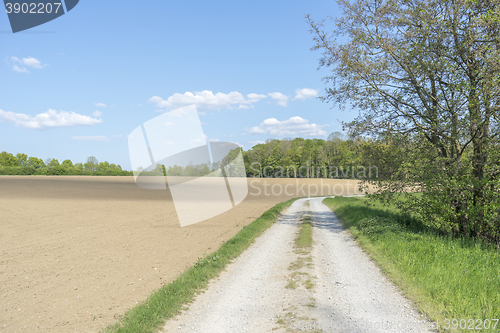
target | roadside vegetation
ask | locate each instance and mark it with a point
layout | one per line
(424, 76)
(447, 277)
(173, 297)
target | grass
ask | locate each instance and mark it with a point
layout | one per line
(448, 278)
(303, 244)
(169, 300)
(309, 284)
(292, 284)
(304, 240)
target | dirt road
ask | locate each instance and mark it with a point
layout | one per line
(334, 287)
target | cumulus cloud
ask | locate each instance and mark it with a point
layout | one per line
(97, 113)
(98, 138)
(29, 62)
(16, 68)
(253, 98)
(305, 93)
(207, 100)
(295, 126)
(280, 98)
(100, 105)
(32, 62)
(49, 119)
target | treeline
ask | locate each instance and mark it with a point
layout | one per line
(336, 157)
(22, 164)
(231, 165)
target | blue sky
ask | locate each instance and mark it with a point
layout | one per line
(79, 85)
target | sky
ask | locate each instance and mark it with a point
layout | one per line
(77, 86)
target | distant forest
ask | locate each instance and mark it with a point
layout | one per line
(336, 157)
(21, 164)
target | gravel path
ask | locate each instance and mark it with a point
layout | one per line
(334, 287)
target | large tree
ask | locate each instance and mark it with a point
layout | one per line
(91, 165)
(429, 71)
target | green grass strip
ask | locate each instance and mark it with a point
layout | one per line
(304, 239)
(447, 278)
(169, 300)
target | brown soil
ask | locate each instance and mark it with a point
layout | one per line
(77, 252)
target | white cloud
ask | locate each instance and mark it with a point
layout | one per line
(97, 113)
(256, 97)
(295, 126)
(305, 93)
(206, 100)
(16, 68)
(280, 98)
(49, 119)
(169, 124)
(99, 138)
(30, 62)
(100, 105)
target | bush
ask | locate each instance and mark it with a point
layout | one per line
(56, 171)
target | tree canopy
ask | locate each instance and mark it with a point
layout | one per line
(429, 71)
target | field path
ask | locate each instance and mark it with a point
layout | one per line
(272, 287)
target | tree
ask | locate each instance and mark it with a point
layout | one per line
(428, 70)
(53, 163)
(67, 164)
(159, 170)
(35, 162)
(22, 159)
(91, 165)
(336, 136)
(7, 159)
(174, 170)
(103, 166)
(231, 165)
